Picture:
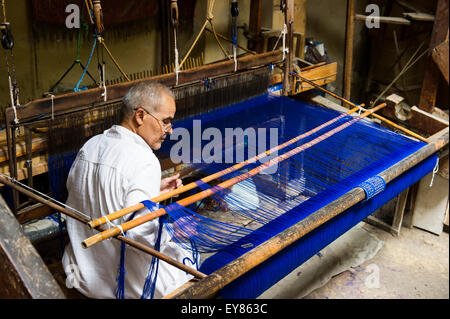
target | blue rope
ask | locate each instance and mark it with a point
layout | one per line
(77, 87)
(120, 290)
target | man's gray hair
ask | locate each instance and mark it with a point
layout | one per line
(146, 95)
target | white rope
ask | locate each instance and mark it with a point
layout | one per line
(234, 57)
(103, 83)
(435, 170)
(121, 230)
(53, 114)
(109, 223)
(177, 65)
(360, 110)
(13, 104)
(104, 94)
(285, 49)
(282, 34)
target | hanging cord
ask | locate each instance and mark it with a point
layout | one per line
(234, 15)
(435, 170)
(96, 14)
(53, 113)
(77, 87)
(209, 19)
(174, 22)
(283, 33)
(101, 71)
(407, 66)
(8, 44)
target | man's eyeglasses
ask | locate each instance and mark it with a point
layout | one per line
(166, 125)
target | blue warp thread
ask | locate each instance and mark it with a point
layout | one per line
(148, 290)
(262, 277)
(150, 282)
(120, 289)
(300, 185)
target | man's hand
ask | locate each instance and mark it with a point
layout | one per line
(170, 183)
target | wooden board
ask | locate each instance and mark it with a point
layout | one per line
(23, 273)
(320, 75)
(391, 20)
(422, 121)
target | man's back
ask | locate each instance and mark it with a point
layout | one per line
(115, 170)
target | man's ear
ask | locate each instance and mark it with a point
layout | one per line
(139, 116)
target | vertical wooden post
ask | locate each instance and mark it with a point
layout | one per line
(255, 26)
(29, 154)
(288, 67)
(11, 141)
(349, 50)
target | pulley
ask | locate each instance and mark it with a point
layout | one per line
(7, 37)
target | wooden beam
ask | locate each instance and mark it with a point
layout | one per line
(389, 20)
(440, 58)
(254, 28)
(348, 63)
(70, 101)
(419, 16)
(23, 273)
(430, 82)
(289, 58)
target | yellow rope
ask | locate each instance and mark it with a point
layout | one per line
(102, 42)
(89, 11)
(229, 40)
(193, 44)
(217, 39)
(209, 19)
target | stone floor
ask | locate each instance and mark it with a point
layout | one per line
(414, 265)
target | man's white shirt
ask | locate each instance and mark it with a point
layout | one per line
(112, 171)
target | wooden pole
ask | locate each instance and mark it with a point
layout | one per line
(228, 273)
(102, 220)
(288, 65)
(349, 49)
(345, 100)
(84, 220)
(114, 231)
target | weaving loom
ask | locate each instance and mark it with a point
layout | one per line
(258, 204)
(301, 185)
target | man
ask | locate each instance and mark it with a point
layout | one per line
(115, 170)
